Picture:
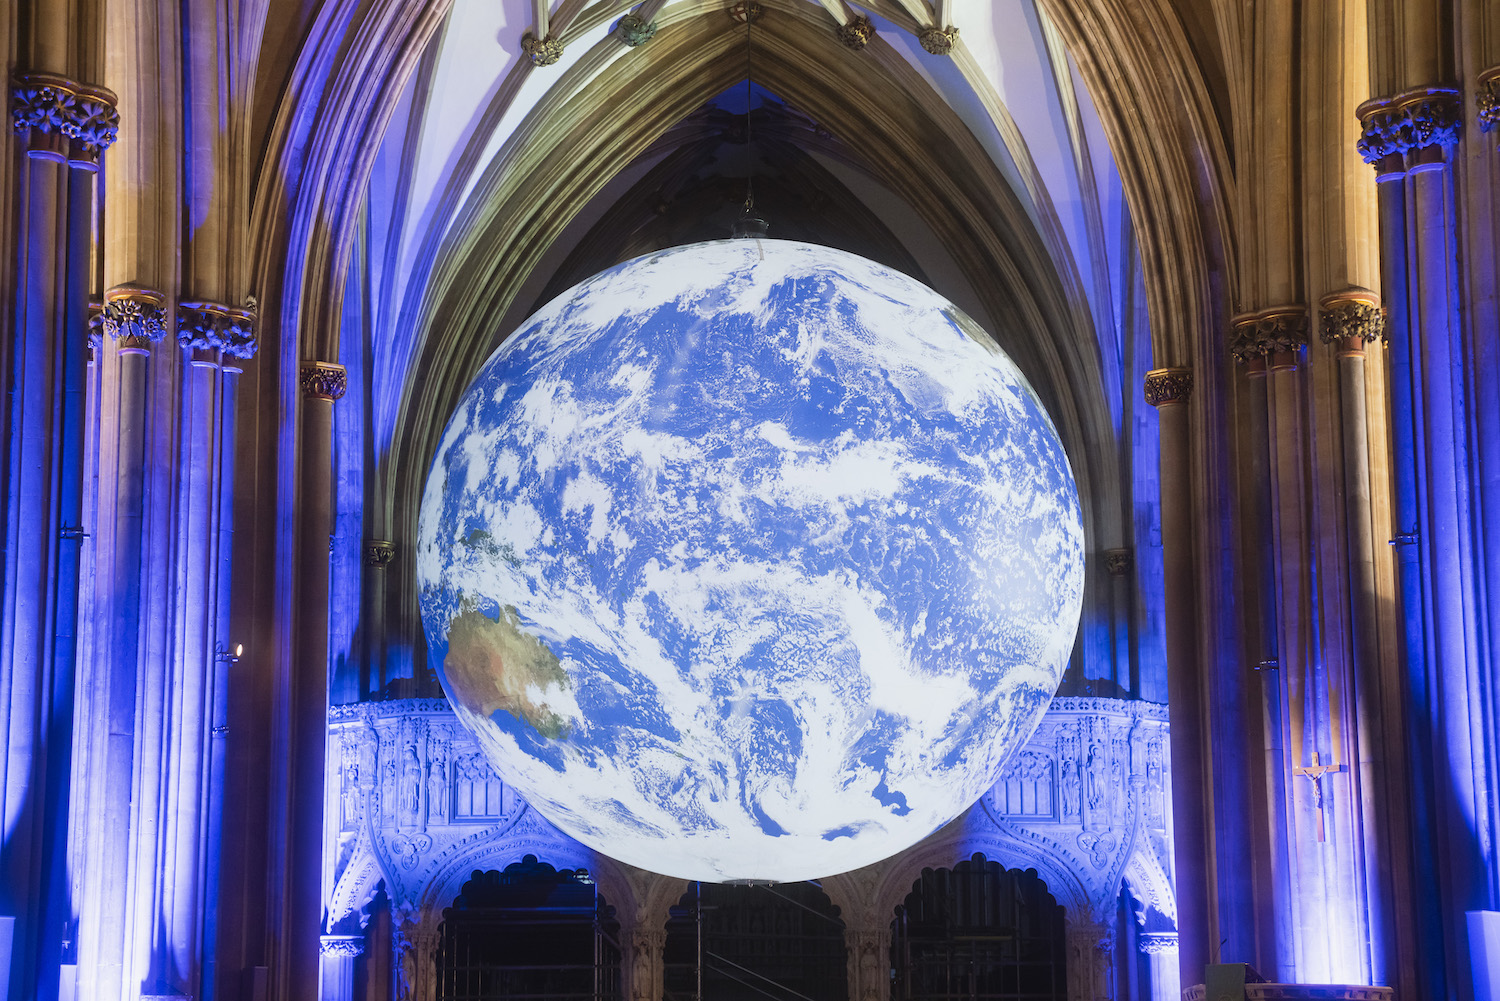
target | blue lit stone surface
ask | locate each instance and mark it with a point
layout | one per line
(750, 560)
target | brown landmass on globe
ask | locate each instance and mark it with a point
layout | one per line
(491, 663)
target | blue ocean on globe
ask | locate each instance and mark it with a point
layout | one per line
(750, 560)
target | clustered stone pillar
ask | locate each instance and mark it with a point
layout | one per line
(869, 962)
(64, 128)
(1168, 390)
(322, 384)
(1407, 138)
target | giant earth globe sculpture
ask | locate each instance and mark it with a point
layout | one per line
(750, 560)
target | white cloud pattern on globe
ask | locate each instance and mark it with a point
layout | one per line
(750, 560)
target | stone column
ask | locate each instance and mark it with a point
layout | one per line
(237, 343)
(378, 557)
(1168, 390)
(1118, 564)
(1407, 138)
(336, 973)
(869, 972)
(63, 128)
(1349, 320)
(135, 319)
(644, 961)
(1091, 947)
(1160, 950)
(322, 383)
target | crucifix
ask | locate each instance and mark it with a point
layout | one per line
(1315, 772)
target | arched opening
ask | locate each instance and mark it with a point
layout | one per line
(978, 932)
(530, 932)
(753, 943)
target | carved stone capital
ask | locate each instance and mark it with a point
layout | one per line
(1155, 943)
(1410, 122)
(379, 553)
(96, 325)
(1165, 386)
(1350, 318)
(1487, 99)
(541, 51)
(856, 32)
(44, 105)
(1117, 562)
(324, 380)
(135, 317)
(214, 326)
(1278, 331)
(347, 946)
(635, 30)
(939, 41)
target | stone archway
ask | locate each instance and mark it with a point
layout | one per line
(979, 932)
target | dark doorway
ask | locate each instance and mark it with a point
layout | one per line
(783, 942)
(530, 932)
(978, 932)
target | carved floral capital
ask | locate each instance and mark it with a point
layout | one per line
(1155, 943)
(135, 316)
(1166, 386)
(1351, 317)
(324, 380)
(44, 105)
(379, 553)
(1409, 122)
(1117, 562)
(214, 326)
(347, 946)
(1281, 330)
(1487, 99)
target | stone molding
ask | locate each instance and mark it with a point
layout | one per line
(135, 317)
(44, 105)
(214, 326)
(939, 41)
(1412, 121)
(1280, 330)
(541, 51)
(1487, 100)
(1166, 386)
(635, 30)
(324, 380)
(1351, 318)
(856, 32)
